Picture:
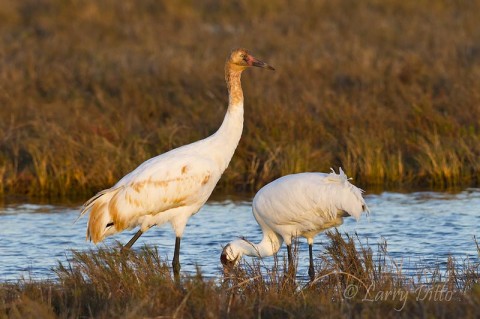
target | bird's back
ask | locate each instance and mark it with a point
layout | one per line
(183, 177)
(306, 202)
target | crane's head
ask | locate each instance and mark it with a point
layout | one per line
(233, 252)
(230, 256)
(240, 59)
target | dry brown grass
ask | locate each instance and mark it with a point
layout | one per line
(386, 89)
(353, 280)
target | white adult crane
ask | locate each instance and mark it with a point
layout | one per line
(297, 205)
(173, 186)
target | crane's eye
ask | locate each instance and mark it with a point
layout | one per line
(244, 57)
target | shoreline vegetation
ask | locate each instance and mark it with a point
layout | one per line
(353, 281)
(387, 90)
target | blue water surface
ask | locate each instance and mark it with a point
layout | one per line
(421, 228)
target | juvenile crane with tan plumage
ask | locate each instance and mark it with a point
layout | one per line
(295, 205)
(173, 186)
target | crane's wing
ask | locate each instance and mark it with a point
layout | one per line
(159, 184)
(308, 199)
(172, 182)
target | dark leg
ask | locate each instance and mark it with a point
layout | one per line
(176, 259)
(289, 254)
(291, 271)
(311, 270)
(133, 240)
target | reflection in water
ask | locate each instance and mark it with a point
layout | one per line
(420, 228)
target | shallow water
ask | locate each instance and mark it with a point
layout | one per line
(421, 228)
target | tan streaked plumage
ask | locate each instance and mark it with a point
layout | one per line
(173, 186)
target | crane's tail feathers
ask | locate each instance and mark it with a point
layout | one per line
(89, 203)
(341, 174)
(366, 209)
(342, 178)
(100, 223)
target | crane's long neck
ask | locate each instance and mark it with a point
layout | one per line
(229, 133)
(234, 86)
(269, 245)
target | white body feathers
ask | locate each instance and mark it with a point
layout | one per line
(173, 186)
(167, 188)
(299, 205)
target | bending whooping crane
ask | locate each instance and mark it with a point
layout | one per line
(297, 205)
(173, 186)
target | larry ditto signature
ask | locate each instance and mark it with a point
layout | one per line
(436, 293)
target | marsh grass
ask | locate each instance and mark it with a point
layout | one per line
(353, 280)
(386, 89)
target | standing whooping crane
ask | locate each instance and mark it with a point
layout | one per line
(173, 186)
(297, 205)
